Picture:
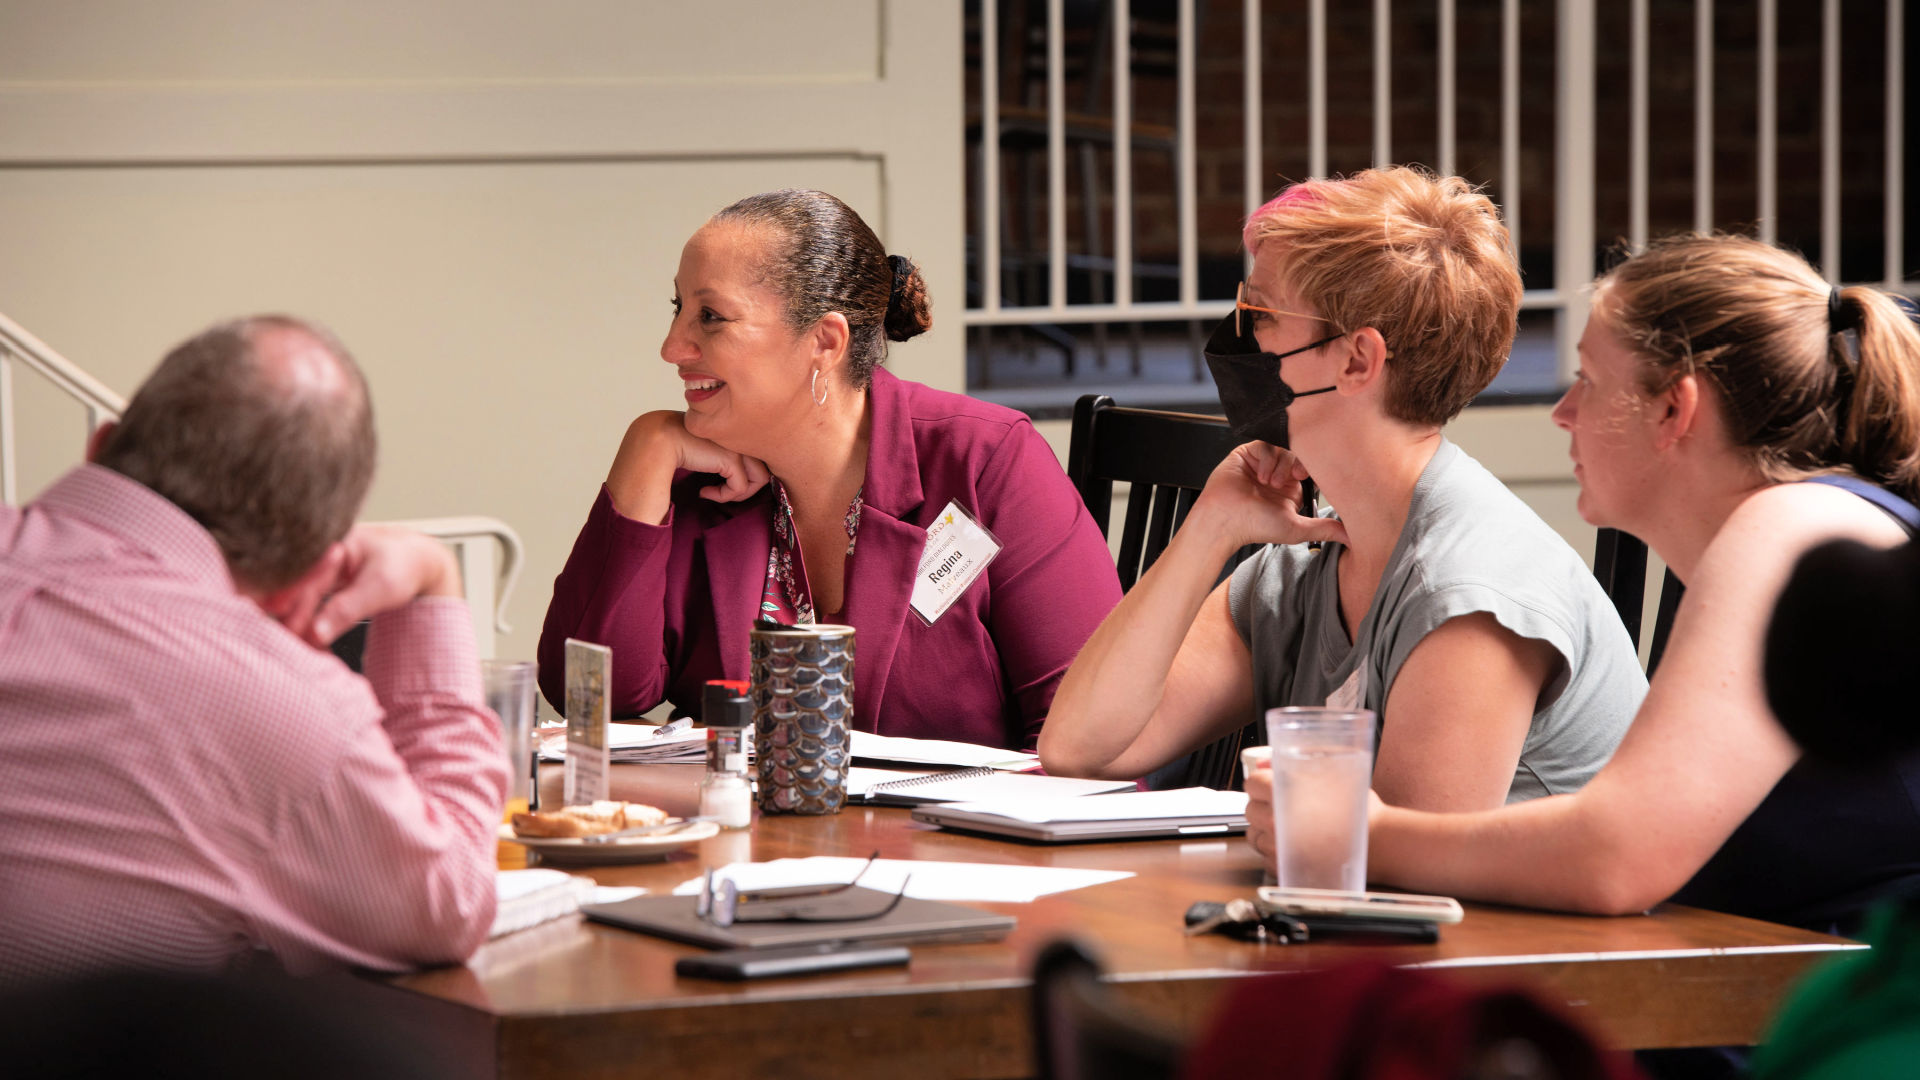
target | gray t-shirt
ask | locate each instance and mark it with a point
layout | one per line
(1468, 545)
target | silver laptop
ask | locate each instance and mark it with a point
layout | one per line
(1067, 831)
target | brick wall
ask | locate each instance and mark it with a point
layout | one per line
(1415, 50)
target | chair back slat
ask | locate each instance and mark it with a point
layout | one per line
(1160, 526)
(1133, 536)
(1670, 593)
(1187, 497)
(1620, 562)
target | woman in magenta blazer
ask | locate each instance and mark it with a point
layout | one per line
(799, 484)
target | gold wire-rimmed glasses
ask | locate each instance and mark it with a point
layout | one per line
(725, 903)
(1240, 304)
(1239, 321)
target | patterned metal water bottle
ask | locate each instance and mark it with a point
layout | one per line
(802, 716)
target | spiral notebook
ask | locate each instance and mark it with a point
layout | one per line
(983, 784)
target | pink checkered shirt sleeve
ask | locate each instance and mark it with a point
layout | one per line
(390, 861)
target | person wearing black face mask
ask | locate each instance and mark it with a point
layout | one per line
(1252, 385)
(1377, 307)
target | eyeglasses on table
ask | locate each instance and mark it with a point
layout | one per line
(725, 903)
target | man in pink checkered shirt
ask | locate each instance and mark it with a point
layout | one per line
(186, 774)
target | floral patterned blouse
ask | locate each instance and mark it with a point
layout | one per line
(787, 599)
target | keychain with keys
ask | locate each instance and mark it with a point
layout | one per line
(1240, 919)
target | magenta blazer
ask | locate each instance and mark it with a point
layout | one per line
(675, 601)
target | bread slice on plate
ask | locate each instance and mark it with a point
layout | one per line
(604, 816)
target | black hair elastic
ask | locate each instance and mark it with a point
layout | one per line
(1843, 320)
(1841, 317)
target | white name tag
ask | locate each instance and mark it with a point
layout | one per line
(958, 551)
(1352, 694)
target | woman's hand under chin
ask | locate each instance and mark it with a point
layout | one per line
(740, 475)
(657, 444)
(1254, 495)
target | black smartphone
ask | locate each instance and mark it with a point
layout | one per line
(734, 965)
(1392, 930)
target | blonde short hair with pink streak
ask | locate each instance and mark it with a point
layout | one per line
(1422, 259)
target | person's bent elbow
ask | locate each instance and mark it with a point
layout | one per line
(1059, 757)
(1618, 880)
(454, 915)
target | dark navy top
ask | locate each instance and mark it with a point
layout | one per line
(1827, 842)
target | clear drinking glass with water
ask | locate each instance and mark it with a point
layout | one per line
(1322, 767)
(510, 688)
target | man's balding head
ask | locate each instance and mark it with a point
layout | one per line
(261, 429)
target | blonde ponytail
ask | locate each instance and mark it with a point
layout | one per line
(1813, 380)
(1881, 436)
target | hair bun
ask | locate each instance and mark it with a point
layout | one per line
(909, 310)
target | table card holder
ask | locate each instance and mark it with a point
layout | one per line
(589, 674)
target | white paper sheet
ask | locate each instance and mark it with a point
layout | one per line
(1000, 788)
(938, 752)
(1125, 806)
(639, 743)
(978, 882)
(510, 885)
(642, 743)
(530, 897)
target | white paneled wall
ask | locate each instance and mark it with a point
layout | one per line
(486, 199)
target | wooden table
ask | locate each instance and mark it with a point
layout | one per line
(581, 1000)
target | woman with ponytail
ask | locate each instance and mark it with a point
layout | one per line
(799, 485)
(1733, 410)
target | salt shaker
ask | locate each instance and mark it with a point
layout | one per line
(726, 796)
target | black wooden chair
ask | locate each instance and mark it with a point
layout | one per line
(1166, 457)
(1620, 562)
(1081, 1032)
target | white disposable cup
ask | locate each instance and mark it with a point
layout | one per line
(1322, 763)
(510, 687)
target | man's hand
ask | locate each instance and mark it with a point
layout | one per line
(1254, 496)
(375, 568)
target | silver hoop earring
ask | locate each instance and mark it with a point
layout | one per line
(815, 386)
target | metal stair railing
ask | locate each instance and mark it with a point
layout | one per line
(18, 346)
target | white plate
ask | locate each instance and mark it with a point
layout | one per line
(575, 851)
